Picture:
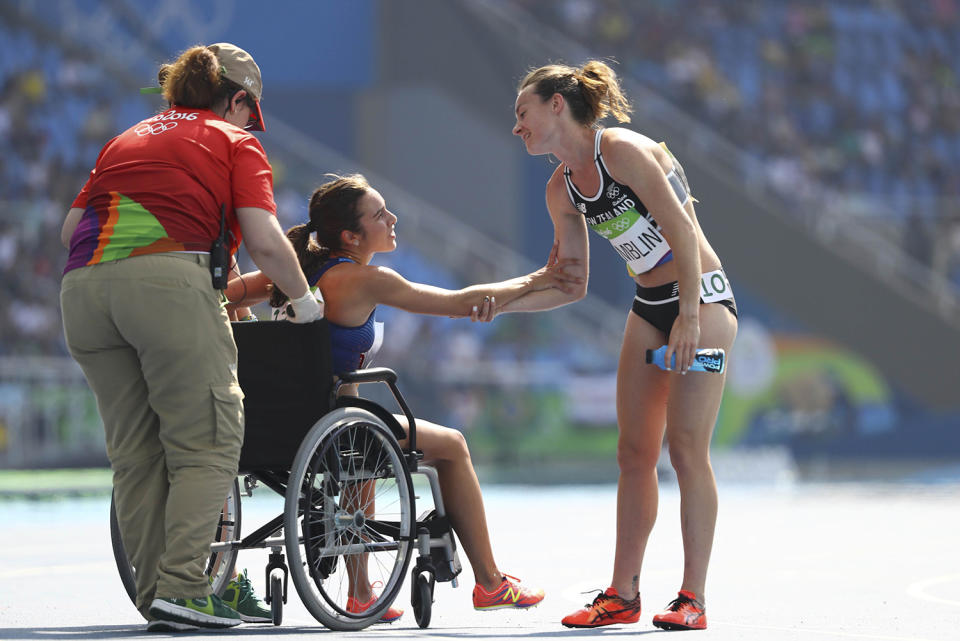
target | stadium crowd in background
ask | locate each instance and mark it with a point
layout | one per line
(888, 140)
(858, 101)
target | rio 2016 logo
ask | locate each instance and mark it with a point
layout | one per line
(153, 129)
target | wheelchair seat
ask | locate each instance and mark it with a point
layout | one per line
(285, 371)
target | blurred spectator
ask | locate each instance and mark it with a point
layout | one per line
(827, 96)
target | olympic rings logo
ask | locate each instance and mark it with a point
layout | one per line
(613, 191)
(155, 128)
(621, 225)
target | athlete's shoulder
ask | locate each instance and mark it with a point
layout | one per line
(351, 274)
(626, 151)
(620, 140)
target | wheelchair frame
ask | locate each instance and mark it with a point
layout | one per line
(339, 466)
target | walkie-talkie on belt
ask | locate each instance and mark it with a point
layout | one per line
(219, 256)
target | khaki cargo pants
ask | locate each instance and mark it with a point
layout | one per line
(156, 348)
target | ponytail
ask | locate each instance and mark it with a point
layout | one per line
(195, 79)
(310, 255)
(592, 92)
(601, 91)
(333, 209)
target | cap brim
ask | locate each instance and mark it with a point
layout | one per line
(258, 125)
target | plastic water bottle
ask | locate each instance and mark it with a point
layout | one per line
(704, 360)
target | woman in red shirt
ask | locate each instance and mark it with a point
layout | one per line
(140, 234)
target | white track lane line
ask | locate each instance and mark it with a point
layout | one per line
(918, 589)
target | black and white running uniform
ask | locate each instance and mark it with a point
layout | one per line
(617, 214)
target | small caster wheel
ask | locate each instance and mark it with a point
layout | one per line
(276, 597)
(422, 599)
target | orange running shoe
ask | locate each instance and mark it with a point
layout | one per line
(507, 595)
(391, 615)
(608, 608)
(683, 613)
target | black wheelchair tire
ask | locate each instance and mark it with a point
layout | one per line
(421, 597)
(328, 606)
(128, 574)
(276, 599)
(124, 567)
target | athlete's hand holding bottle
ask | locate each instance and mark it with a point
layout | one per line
(684, 341)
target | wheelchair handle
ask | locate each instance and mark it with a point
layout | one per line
(372, 375)
(388, 376)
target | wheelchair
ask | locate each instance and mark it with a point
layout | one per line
(346, 482)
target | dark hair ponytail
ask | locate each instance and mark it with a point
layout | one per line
(310, 254)
(333, 209)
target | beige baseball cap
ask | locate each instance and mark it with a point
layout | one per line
(239, 66)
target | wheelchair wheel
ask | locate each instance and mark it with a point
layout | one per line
(421, 598)
(220, 565)
(348, 516)
(276, 598)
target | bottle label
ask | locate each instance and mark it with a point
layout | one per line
(711, 360)
(714, 287)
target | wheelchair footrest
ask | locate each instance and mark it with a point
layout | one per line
(438, 550)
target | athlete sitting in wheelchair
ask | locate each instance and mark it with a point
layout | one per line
(352, 224)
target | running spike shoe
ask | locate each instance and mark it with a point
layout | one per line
(391, 615)
(608, 608)
(509, 594)
(683, 613)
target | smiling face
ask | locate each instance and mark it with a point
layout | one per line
(537, 120)
(376, 224)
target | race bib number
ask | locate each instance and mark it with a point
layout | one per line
(637, 241)
(714, 287)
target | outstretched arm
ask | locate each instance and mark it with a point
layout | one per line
(571, 244)
(385, 286)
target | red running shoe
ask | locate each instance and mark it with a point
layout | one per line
(391, 615)
(683, 613)
(608, 608)
(507, 595)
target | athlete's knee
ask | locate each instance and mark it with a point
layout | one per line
(688, 456)
(633, 456)
(453, 445)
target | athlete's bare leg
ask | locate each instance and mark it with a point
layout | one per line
(641, 417)
(692, 408)
(446, 450)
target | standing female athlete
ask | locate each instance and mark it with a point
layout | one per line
(633, 192)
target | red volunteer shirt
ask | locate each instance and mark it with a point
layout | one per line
(159, 186)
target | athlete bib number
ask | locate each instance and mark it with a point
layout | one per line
(714, 287)
(638, 242)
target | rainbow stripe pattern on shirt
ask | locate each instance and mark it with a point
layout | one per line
(121, 230)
